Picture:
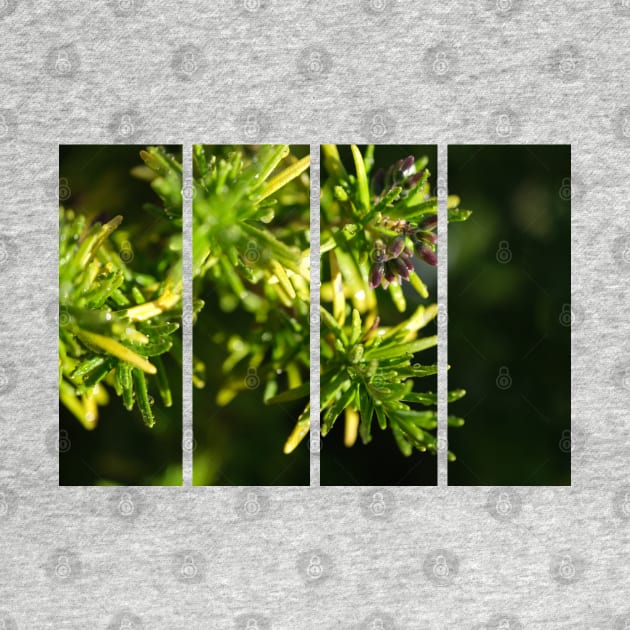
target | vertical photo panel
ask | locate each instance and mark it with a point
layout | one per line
(509, 315)
(120, 290)
(251, 318)
(378, 212)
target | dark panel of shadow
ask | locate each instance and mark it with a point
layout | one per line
(509, 295)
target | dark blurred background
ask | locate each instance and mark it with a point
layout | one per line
(380, 463)
(509, 294)
(242, 442)
(96, 180)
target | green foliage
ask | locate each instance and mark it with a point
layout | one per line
(377, 230)
(251, 247)
(115, 322)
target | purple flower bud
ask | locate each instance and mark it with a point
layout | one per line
(379, 253)
(414, 180)
(389, 176)
(429, 222)
(397, 173)
(427, 254)
(396, 246)
(407, 260)
(407, 166)
(401, 267)
(427, 237)
(376, 275)
(378, 182)
(391, 272)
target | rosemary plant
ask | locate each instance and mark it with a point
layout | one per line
(116, 322)
(251, 253)
(377, 232)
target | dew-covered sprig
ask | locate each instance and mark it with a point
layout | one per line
(115, 322)
(238, 241)
(380, 227)
(368, 373)
(251, 247)
(377, 232)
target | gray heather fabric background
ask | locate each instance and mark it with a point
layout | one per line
(311, 72)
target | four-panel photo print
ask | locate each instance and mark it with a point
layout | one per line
(422, 317)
